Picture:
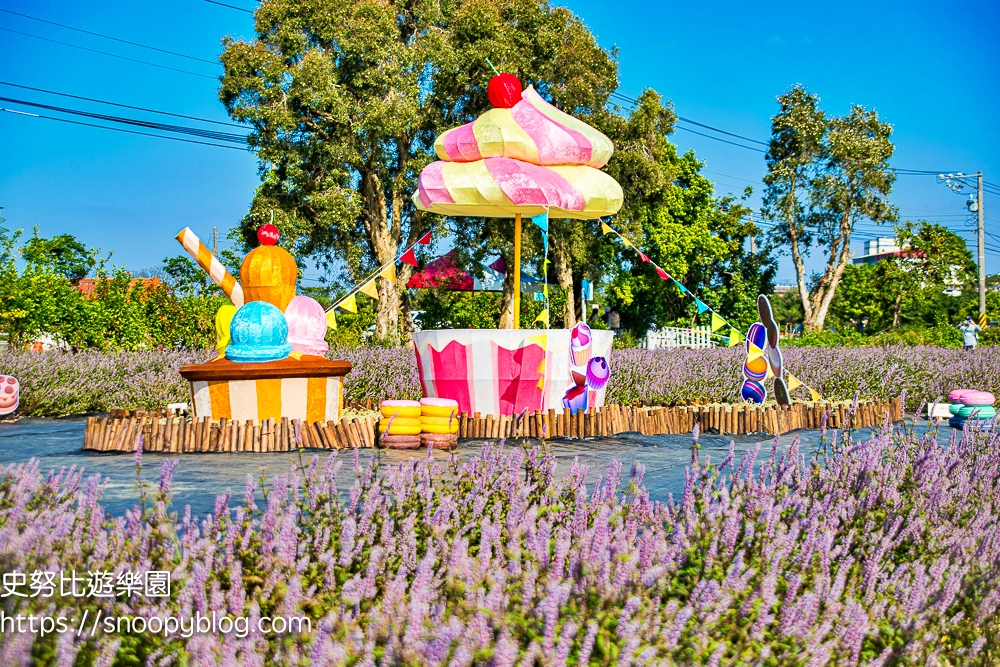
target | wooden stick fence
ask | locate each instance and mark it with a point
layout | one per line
(164, 432)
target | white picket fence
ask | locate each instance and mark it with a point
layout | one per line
(668, 337)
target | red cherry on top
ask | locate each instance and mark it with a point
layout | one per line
(504, 90)
(268, 234)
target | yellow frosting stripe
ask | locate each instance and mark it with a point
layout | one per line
(498, 135)
(600, 144)
(601, 193)
(471, 183)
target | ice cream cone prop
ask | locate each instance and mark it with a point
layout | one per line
(269, 273)
(207, 261)
(524, 157)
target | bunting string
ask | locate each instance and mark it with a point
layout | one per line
(718, 322)
(368, 287)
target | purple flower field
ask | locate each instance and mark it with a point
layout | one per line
(881, 552)
(60, 384)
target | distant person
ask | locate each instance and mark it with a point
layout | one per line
(797, 331)
(614, 321)
(862, 326)
(970, 333)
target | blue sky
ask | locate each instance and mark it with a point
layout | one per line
(928, 68)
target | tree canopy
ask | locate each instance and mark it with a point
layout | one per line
(824, 174)
(345, 99)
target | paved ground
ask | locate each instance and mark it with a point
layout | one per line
(201, 477)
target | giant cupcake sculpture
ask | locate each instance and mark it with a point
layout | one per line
(271, 345)
(523, 157)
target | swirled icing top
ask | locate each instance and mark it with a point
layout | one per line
(532, 131)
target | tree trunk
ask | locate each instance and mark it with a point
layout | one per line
(507, 298)
(564, 277)
(826, 288)
(897, 307)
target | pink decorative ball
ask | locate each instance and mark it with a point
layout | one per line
(306, 326)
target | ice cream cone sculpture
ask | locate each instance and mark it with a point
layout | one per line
(529, 158)
(271, 362)
(207, 261)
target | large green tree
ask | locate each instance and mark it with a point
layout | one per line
(824, 174)
(345, 98)
(672, 212)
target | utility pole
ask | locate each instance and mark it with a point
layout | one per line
(955, 182)
(980, 236)
(215, 241)
(753, 237)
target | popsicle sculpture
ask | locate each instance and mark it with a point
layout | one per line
(271, 345)
(763, 358)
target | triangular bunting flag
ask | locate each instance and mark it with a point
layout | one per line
(735, 337)
(543, 317)
(814, 394)
(542, 221)
(702, 307)
(409, 257)
(793, 382)
(350, 304)
(389, 273)
(425, 239)
(605, 229)
(331, 320)
(643, 257)
(684, 290)
(663, 274)
(717, 322)
(754, 353)
(626, 242)
(541, 366)
(370, 289)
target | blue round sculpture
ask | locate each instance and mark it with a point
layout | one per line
(757, 335)
(258, 333)
(753, 391)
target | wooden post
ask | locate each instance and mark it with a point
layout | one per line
(517, 270)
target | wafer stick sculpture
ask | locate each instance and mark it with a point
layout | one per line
(216, 271)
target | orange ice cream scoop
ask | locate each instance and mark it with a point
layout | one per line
(268, 273)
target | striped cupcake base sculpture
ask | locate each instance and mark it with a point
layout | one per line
(270, 343)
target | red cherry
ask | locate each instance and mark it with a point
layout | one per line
(268, 234)
(504, 90)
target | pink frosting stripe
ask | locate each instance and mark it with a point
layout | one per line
(526, 183)
(460, 144)
(557, 144)
(432, 188)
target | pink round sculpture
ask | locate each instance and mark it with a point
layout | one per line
(306, 326)
(9, 394)
(598, 373)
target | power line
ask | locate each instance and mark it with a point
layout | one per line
(116, 104)
(117, 129)
(179, 129)
(222, 4)
(116, 39)
(725, 141)
(105, 53)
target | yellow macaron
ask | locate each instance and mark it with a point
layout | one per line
(399, 426)
(439, 424)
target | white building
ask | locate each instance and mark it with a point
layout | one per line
(878, 249)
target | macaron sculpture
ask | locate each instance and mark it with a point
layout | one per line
(970, 405)
(432, 422)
